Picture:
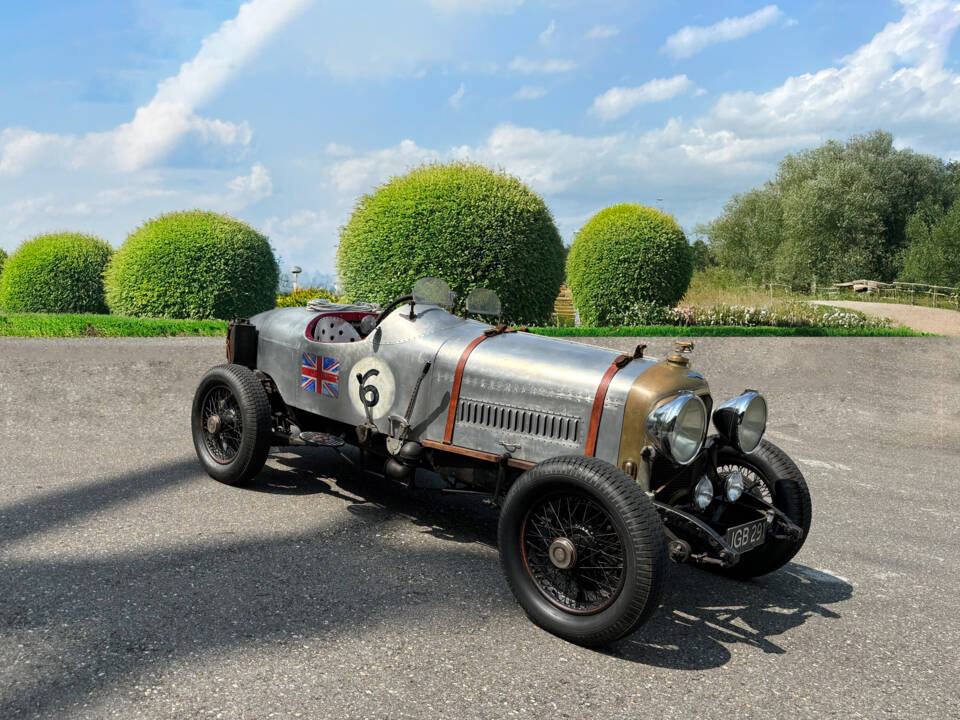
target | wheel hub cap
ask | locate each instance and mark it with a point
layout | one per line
(563, 553)
(214, 424)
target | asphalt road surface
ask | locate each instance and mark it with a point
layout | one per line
(132, 585)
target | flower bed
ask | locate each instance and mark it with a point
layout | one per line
(785, 314)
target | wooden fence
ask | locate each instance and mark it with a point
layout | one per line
(939, 295)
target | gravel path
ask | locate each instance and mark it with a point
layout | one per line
(924, 319)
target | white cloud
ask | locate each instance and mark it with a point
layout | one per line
(618, 101)
(491, 6)
(170, 116)
(602, 32)
(550, 160)
(19, 212)
(527, 66)
(896, 81)
(529, 92)
(480, 67)
(690, 40)
(253, 187)
(301, 236)
(338, 150)
(457, 98)
(303, 219)
(360, 173)
(547, 35)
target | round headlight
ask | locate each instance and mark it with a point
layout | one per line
(742, 420)
(677, 427)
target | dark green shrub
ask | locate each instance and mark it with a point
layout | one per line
(56, 273)
(624, 255)
(193, 264)
(464, 223)
(3, 258)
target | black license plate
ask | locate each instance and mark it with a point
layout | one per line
(747, 536)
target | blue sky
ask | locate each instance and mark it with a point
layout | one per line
(282, 112)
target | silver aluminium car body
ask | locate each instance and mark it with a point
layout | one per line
(524, 394)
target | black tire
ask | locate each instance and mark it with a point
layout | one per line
(236, 452)
(786, 490)
(607, 614)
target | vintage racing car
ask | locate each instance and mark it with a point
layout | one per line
(601, 463)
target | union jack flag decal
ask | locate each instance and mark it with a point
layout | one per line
(320, 375)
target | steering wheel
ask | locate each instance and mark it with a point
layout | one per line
(390, 308)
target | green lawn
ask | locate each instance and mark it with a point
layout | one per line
(51, 325)
(722, 331)
(65, 325)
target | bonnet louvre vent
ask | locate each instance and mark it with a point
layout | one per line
(528, 422)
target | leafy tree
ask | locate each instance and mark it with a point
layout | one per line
(836, 212)
(703, 256)
(933, 255)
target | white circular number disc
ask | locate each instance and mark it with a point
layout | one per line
(378, 377)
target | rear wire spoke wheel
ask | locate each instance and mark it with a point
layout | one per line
(583, 549)
(221, 424)
(231, 423)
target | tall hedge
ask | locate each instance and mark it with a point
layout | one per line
(624, 256)
(56, 273)
(193, 264)
(462, 222)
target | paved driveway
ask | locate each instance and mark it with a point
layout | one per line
(131, 585)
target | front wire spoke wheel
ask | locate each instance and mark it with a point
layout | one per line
(753, 482)
(769, 474)
(573, 552)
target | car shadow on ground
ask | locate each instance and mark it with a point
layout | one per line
(702, 613)
(454, 516)
(98, 624)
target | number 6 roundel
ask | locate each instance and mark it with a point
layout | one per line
(371, 388)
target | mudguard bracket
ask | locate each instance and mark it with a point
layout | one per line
(687, 524)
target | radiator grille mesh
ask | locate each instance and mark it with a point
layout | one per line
(527, 422)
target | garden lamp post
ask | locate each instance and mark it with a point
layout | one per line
(295, 270)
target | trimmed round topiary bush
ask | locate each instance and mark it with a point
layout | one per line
(625, 255)
(193, 264)
(56, 273)
(462, 222)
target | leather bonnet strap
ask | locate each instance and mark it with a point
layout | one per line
(620, 362)
(458, 375)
